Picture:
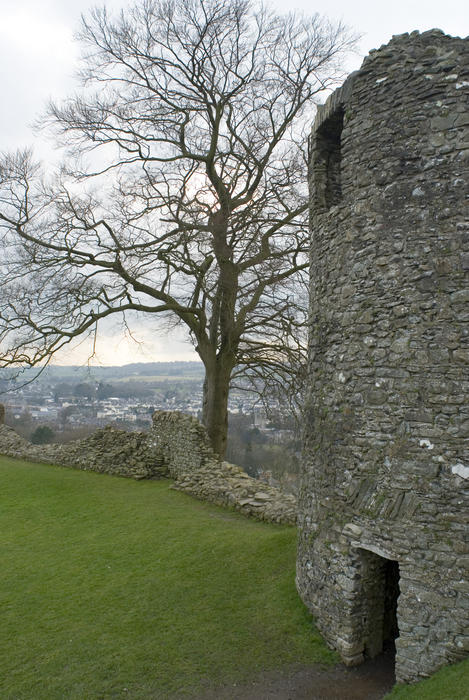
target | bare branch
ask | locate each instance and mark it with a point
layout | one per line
(183, 193)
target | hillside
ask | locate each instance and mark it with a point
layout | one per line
(78, 373)
(115, 588)
(123, 589)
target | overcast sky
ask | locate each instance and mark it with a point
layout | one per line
(38, 57)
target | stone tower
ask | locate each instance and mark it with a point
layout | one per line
(383, 551)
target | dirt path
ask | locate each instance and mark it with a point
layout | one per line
(371, 681)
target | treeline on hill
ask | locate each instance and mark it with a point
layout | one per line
(74, 373)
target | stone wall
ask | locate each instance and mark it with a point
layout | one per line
(198, 471)
(177, 446)
(182, 441)
(384, 501)
(108, 450)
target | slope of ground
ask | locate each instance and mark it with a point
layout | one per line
(112, 588)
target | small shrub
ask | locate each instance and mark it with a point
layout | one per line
(42, 435)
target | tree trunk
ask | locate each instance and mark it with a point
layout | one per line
(215, 403)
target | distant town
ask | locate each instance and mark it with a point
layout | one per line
(59, 404)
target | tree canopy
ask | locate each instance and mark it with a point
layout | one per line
(183, 193)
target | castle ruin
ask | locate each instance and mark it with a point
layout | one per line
(383, 550)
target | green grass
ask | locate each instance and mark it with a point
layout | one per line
(450, 683)
(111, 588)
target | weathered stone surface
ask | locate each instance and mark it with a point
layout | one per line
(197, 470)
(386, 457)
(107, 451)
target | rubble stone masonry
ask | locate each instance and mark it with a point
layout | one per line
(383, 513)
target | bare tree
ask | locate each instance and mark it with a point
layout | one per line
(190, 124)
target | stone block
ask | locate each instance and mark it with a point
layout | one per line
(385, 495)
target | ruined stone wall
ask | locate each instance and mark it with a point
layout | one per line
(197, 470)
(177, 446)
(386, 461)
(182, 441)
(108, 451)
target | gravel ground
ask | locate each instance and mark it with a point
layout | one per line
(370, 681)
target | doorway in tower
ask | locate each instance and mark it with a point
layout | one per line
(380, 593)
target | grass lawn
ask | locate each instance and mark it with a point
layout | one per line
(111, 588)
(450, 683)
